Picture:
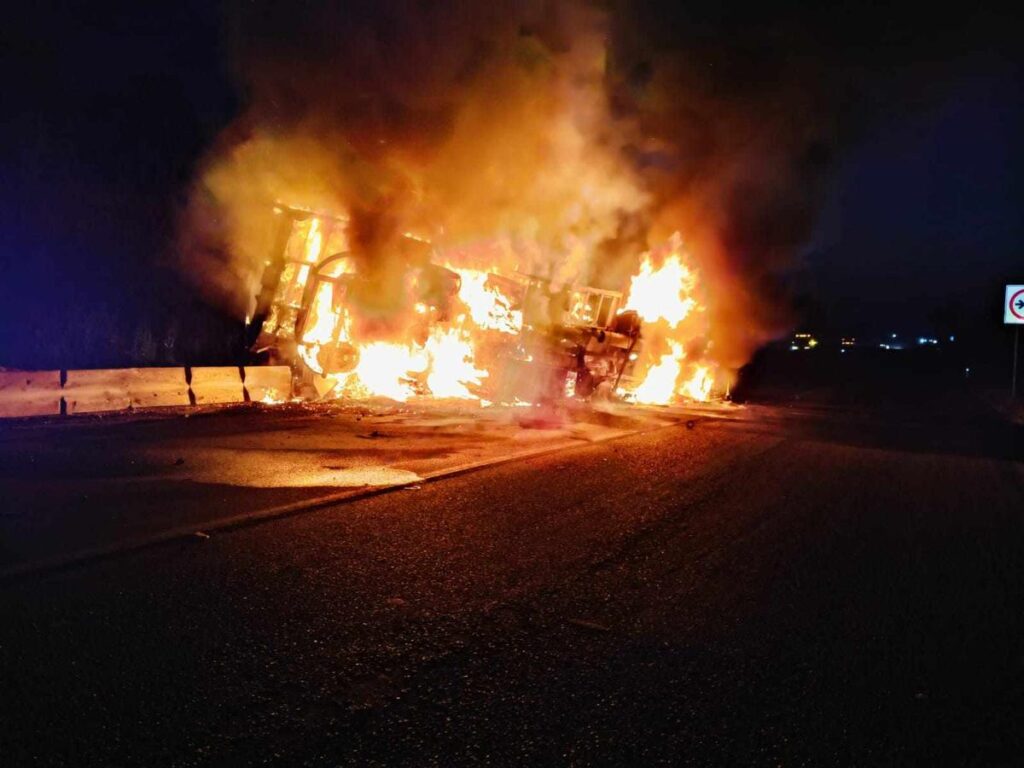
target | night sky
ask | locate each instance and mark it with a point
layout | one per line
(924, 213)
(108, 108)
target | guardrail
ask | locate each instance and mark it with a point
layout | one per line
(52, 393)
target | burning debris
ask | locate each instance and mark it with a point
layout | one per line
(464, 333)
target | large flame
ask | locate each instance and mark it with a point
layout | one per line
(452, 370)
(662, 293)
(385, 370)
(659, 385)
(663, 297)
(397, 371)
(444, 363)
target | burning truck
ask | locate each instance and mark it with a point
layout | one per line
(442, 329)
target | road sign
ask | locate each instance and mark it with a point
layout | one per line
(1013, 314)
(1013, 307)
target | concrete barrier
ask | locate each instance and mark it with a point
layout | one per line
(29, 393)
(99, 390)
(116, 389)
(38, 393)
(269, 383)
(151, 387)
(221, 384)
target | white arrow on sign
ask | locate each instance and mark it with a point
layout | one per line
(1013, 307)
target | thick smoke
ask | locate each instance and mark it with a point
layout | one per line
(459, 122)
(566, 137)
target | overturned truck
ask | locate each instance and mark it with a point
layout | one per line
(432, 328)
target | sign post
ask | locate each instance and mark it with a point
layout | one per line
(1013, 314)
(1013, 380)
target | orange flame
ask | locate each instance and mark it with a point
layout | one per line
(662, 296)
(659, 385)
(662, 293)
(452, 370)
(488, 307)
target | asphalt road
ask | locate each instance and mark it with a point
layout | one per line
(782, 587)
(75, 487)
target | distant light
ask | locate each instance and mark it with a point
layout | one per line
(894, 335)
(952, 338)
(794, 347)
(843, 351)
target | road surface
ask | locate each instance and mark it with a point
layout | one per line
(774, 587)
(82, 486)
